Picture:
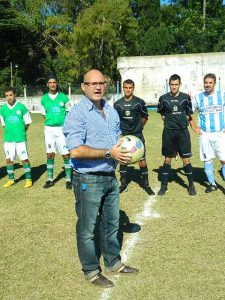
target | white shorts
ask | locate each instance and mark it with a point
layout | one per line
(212, 144)
(55, 140)
(13, 148)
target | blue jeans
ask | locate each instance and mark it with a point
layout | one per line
(97, 208)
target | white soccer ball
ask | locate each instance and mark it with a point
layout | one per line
(133, 145)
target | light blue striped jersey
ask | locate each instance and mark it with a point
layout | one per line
(211, 110)
(85, 125)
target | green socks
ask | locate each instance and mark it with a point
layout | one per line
(68, 169)
(50, 167)
(27, 170)
(10, 171)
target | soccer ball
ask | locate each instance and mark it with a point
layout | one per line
(133, 145)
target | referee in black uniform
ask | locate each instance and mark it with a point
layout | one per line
(133, 115)
(176, 109)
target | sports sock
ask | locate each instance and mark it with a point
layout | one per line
(165, 173)
(50, 168)
(27, 170)
(123, 174)
(10, 171)
(144, 175)
(223, 171)
(208, 165)
(189, 173)
(68, 169)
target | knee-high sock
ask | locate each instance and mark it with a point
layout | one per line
(144, 175)
(123, 174)
(10, 171)
(209, 172)
(165, 173)
(27, 170)
(68, 169)
(189, 173)
(50, 168)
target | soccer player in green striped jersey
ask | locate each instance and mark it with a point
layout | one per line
(54, 112)
(15, 118)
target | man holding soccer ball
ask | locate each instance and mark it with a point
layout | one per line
(92, 132)
(133, 115)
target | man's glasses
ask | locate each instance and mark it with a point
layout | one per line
(95, 84)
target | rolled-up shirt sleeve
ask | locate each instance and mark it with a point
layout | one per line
(75, 129)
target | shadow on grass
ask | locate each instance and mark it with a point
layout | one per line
(3, 172)
(125, 226)
(36, 172)
(61, 175)
(134, 175)
(198, 174)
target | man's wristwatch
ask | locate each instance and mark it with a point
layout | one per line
(107, 154)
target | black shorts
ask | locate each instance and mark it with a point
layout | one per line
(176, 141)
(141, 137)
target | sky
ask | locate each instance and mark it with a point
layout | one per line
(167, 2)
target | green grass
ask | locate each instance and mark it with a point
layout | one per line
(180, 255)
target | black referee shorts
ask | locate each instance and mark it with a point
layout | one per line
(176, 141)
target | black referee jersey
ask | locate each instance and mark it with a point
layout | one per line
(175, 110)
(131, 113)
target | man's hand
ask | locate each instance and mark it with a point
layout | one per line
(118, 154)
(197, 130)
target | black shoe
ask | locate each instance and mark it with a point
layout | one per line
(211, 188)
(162, 190)
(101, 281)
(69, 185)
(191, 190)
(149, 191)
(123, 188)
(123, 270)
(48, 184)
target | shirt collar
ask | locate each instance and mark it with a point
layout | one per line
(9, 106)
(90, 105)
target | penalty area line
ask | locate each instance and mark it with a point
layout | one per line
(147, 213)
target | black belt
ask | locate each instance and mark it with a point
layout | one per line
(96, 173)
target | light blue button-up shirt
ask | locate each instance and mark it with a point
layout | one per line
(85, 125)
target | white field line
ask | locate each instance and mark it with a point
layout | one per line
(147, 213)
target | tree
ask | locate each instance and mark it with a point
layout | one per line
(102, 32)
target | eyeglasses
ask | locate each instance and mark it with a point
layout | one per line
(95, 84)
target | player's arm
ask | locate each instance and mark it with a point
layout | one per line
(194, 127)
(144, 112)
(160, 108)
(193, 107)
(2, 121)
(144, 121)
(27, 120)
(43, 112)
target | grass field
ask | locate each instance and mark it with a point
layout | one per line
(179, 249)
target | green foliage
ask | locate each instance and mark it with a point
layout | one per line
(71, 36)
(101, 34)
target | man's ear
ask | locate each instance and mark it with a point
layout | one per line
(82, 86)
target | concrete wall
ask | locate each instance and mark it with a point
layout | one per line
(151, 73)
